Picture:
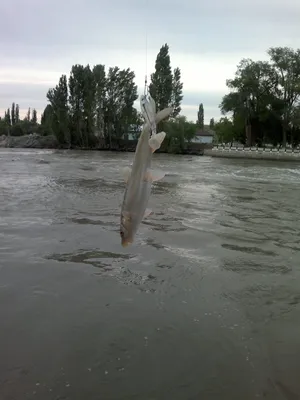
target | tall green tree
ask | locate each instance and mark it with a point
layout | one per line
(34, 117)
(121, 93)
(161, 86)
(28, 114)
(7, 117)
(13, 114)
(17, 114)
(100, 86)
(224, 129)
(179, 132)
(47, 121)
(286, 63)
(82, 102)
(58, 99)
(76, 103)
(252, 96)
(200, 116)
(89, 105)
(177, 96)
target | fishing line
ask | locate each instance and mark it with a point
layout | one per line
(146, 88)
(146, 92)
(146, 76)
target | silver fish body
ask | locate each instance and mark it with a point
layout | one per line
(148, 108)
(139, 180)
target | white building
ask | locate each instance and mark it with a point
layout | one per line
(205, 137)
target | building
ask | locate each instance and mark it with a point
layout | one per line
(133, 133)
(203, 136)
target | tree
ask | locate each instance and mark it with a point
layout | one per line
(34, 117)
(100, 82)
(224, 130)
(89, 105)
(7, 117)
(28, 114)
(252, 97)
(179, 132)
(20, 126)
(161, 86)
(47, 120)
(76, 104)
(121, 93)
(212, 123)
(13, 114)
(17, 114)
(286, 63)
(177, 96)
(58, 99)
(200, 119)
(82, 103)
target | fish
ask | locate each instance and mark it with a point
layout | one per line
(140, 177)
(148, 108)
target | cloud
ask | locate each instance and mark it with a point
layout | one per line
(206, 39)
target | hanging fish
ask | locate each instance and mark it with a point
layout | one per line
(139, 179)
(148, 108)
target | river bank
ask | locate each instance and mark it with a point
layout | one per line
(257, 153)
(35, 141)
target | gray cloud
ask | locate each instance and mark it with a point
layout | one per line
(24, 94)
(37, 29)
(209, 99)
(49, 34)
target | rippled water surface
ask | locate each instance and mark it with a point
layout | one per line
(205, 304)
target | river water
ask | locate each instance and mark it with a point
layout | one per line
(204, 305)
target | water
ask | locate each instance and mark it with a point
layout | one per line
(205, 305)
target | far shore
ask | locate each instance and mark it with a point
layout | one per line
(255, 153)
(35, 141)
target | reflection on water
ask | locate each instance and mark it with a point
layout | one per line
(205, 304)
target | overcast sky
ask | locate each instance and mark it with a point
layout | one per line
(42, 39)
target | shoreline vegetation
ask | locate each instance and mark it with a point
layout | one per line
(36, 141)
(93, 108)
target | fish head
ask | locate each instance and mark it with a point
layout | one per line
(126, 229)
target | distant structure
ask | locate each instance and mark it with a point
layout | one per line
(204, 136)
(133, 133)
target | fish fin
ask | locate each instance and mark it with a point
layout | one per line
(154, 175)
(163, 114)
(156, 140)
(148, 212)
(126, 172)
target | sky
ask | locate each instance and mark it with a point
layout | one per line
(41, 39)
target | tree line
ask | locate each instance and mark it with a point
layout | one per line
(93, 105)
(263, 101)
(12, 124)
